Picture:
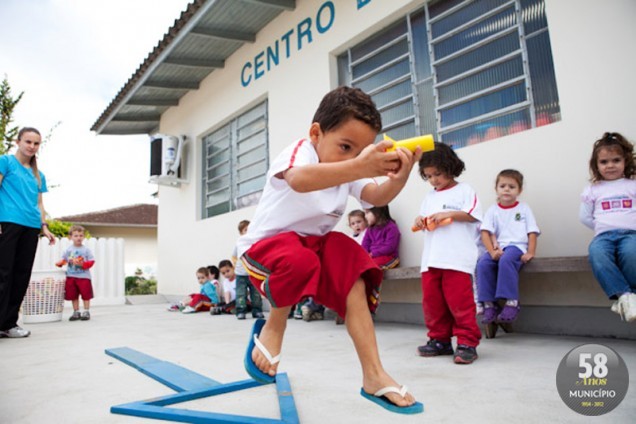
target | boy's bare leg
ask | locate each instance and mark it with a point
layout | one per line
(87, 304)
(272, 338)
(360, 327)
(75, 303)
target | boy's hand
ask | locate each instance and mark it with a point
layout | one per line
(406, 161)
(376, 162)
(496, 254)
(527, 257)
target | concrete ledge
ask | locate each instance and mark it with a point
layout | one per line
(555, 320)
(554, 264)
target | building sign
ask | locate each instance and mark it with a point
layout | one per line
(291, 42)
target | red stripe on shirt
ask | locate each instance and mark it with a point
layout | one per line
(293, 156)
(470, 212)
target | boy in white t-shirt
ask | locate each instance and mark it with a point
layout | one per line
(509, 233)
(229, 285)
(291, 252)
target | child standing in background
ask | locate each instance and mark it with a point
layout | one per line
(608, 206)
(229, 285)
(509, 233)
(449, 257)
(243, 284)
(382, 238)
(358, 224)
(79, 259)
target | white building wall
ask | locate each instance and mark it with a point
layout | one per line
(594, 61)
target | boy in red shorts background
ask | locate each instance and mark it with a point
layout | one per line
(291, 252)
(79, 259)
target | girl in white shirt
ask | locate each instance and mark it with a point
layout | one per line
(448, 257)
(608, 206)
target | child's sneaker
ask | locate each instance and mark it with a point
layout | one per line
(258, 314)
(627, 306)
(465, 354)
(188, 310)
(435, 348)
(173, 308)
(76, 315)
(298, 313)
(85, 316)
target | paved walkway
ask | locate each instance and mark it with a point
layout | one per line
(61, 373)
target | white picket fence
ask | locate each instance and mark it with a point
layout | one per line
(107, 274)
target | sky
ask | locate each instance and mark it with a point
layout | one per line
(71, 58)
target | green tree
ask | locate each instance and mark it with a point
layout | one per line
(8, 132)
(60, 228)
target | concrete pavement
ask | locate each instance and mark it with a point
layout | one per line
(61, 373)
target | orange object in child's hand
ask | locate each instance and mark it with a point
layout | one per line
(60, 263)
(430, 225)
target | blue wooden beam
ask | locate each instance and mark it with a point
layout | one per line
(177, 378)
(191, 386)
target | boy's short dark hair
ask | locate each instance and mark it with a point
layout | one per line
(244, 223)
(511, 173)
(225, 262)
(357, 212)
(344, 103)
(444, 159)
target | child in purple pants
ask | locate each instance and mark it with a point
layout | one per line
(509, 232)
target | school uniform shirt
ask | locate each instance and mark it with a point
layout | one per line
(510, 224)
(19, 193)
(73, 252)
(282, 209)
(609, 205)
(451, 246)
(359, 237)
(229, 286)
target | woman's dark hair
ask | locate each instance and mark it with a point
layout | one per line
(344, 103)
(444, 158)
(382, 215)
(214, 271)
(613, 141)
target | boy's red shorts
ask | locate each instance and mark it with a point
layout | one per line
(75, 287)
(288, 267)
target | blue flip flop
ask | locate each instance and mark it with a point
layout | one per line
(250, 366)
(379, 398)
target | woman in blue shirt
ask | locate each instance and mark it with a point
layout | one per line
(22, 217)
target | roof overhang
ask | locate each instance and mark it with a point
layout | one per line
(205, 35)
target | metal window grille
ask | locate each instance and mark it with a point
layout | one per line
(235, 163)
(465, 71)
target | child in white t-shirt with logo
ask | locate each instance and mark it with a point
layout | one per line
(291, 251)
(509, 233)
(449, 219)
(608, 206)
